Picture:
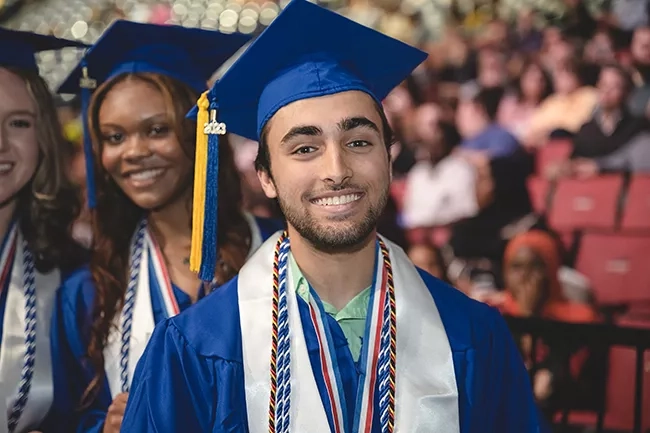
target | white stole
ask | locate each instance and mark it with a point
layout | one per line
(426, 390)
(143, 321)
(13, 348)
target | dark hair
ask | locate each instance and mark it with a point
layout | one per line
(548, 84)
(450, 134)
(263, 162)
(628, 83)
(115, 217)
(489, 99)
(575, 67)
(49, 204)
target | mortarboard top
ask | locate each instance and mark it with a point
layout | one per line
(188, 55)
(306, 52)
(19, 48)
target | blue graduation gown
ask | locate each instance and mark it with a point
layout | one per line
(191, 376)
(70, 335)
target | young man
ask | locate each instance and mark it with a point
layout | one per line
(328, 327)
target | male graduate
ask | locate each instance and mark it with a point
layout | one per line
(328, 327)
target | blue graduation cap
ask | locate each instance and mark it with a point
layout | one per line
(189, 55)
(306, 52)
(19, 48)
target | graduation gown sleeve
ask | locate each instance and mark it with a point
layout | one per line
(495, 394)
(175, 396)
(188, 380)
(70, 327)
(516, 410)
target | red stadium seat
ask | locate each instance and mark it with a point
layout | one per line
(553, 152)
(591, 203)
(538, 190)
(619, 415)
(636, 212)
(618, 267)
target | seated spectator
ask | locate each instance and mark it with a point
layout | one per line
(531, 266)
(563, 113)
(517, 108)
(441, 187)
(531, 270)
(613, 140)
(476, 122)
(640, 50)
(557, 50)
(504, 205)
(611, 126)
(459, 65)
(600, 49)
(427, 257)
(491, 67)
(526, 38)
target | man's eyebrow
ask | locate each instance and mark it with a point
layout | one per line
(350, 123)
(296, 131)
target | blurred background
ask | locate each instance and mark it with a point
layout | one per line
(521, 165)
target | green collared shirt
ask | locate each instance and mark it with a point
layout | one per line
(351, 319)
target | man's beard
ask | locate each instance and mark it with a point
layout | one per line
(346, 238)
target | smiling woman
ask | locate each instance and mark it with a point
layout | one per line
(38, 204)
(141, 160)
(32, 165)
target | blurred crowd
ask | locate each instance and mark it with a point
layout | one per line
(469, 125)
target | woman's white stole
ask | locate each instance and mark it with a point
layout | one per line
(143, 321)
(426, 391)
(12, 354)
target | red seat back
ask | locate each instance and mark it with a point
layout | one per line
(636, 212)
(618, 267)
(619, 415)
(553, 152)
(591, 203)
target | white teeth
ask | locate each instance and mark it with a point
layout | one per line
(338, 200)
(5, 167)
(146, 174)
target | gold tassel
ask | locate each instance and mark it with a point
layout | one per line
(200, 170)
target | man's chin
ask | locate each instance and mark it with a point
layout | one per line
(334, 239)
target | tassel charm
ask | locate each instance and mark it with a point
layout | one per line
(204, 250)
(214, 127)
(86, 82)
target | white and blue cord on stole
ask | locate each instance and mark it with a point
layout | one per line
(383, 368)
(27, 373)
(282, 417)
(129, 302)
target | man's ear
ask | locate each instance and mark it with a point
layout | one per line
(267, 183)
